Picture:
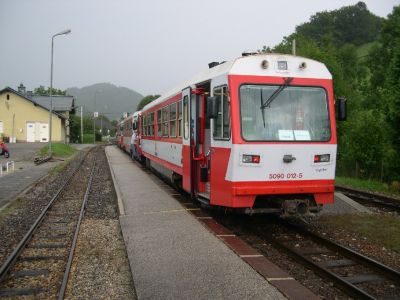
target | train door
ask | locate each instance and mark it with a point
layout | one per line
(195, 165)
(194, 140)
(186, 153)
(201, 153)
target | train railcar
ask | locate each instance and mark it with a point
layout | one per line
(136, 151)
(257, 134)
(118, 134)
(125, 130)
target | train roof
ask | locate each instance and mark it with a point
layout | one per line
(255, 65)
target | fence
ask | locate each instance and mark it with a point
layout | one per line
(7, 167)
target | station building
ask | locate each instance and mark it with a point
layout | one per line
(24, 117)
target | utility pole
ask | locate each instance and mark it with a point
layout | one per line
(94, 128)
(81, 124)
(294, 47)
(51, 86)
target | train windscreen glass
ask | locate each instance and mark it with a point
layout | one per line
(292, 113)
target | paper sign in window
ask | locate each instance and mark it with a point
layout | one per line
(302, 135)
(285, 135)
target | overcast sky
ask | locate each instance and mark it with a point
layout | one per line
(150, 45)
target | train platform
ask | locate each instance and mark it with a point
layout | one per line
(344, 205)
(22, 178)
(171, 254)
(25, 172)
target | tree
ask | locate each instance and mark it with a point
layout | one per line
(42, 91)
(353, 24)
(369, 142)
(384, 89)
(146, 100)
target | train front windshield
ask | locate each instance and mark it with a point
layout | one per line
(284, 113)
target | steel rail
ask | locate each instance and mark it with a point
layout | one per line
(369, 197)
(341, 282)
(61, 292)
(345, 251)
(11, 259)
(346, 286)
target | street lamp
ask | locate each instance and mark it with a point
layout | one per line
(51, 84)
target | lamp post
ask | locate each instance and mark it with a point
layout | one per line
(51, 84)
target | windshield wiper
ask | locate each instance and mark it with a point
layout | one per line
(275, 94)
(268, 102)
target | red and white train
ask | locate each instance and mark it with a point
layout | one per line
(125, 129)
(257, 133)
(124, 133)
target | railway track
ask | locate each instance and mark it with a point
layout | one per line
(368, 198)
(39, 265)
(355, 274)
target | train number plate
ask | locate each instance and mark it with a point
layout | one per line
(285, 176)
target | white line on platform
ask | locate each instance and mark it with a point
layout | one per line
(251, 255)
(277, 279)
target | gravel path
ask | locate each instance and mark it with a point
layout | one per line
(100, 269)
(19, 216)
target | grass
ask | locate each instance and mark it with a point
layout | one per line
(59, 150)
(382, 230)
(364, 49)
(370, 185)
(58, 168)
(15, 205)
(362, 184)
(88, 138)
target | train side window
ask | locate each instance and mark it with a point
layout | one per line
(144, 125)
(172, 119)
(165, 120)
(180, 118)
(185, 117)
(222, 124)
(152, 124)
(147, 125)
(159, 128)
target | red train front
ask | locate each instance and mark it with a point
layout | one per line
(256, 134)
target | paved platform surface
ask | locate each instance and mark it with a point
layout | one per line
(25, 171)
(173, 256)
(14, 183)
(344, 205)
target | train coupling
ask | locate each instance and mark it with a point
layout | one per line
(296, 207)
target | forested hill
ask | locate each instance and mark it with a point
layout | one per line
(350, 24)
(362, 51)
(108, 99)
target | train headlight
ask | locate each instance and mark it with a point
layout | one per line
(250, 159)
(282, 65)
(322, 158)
